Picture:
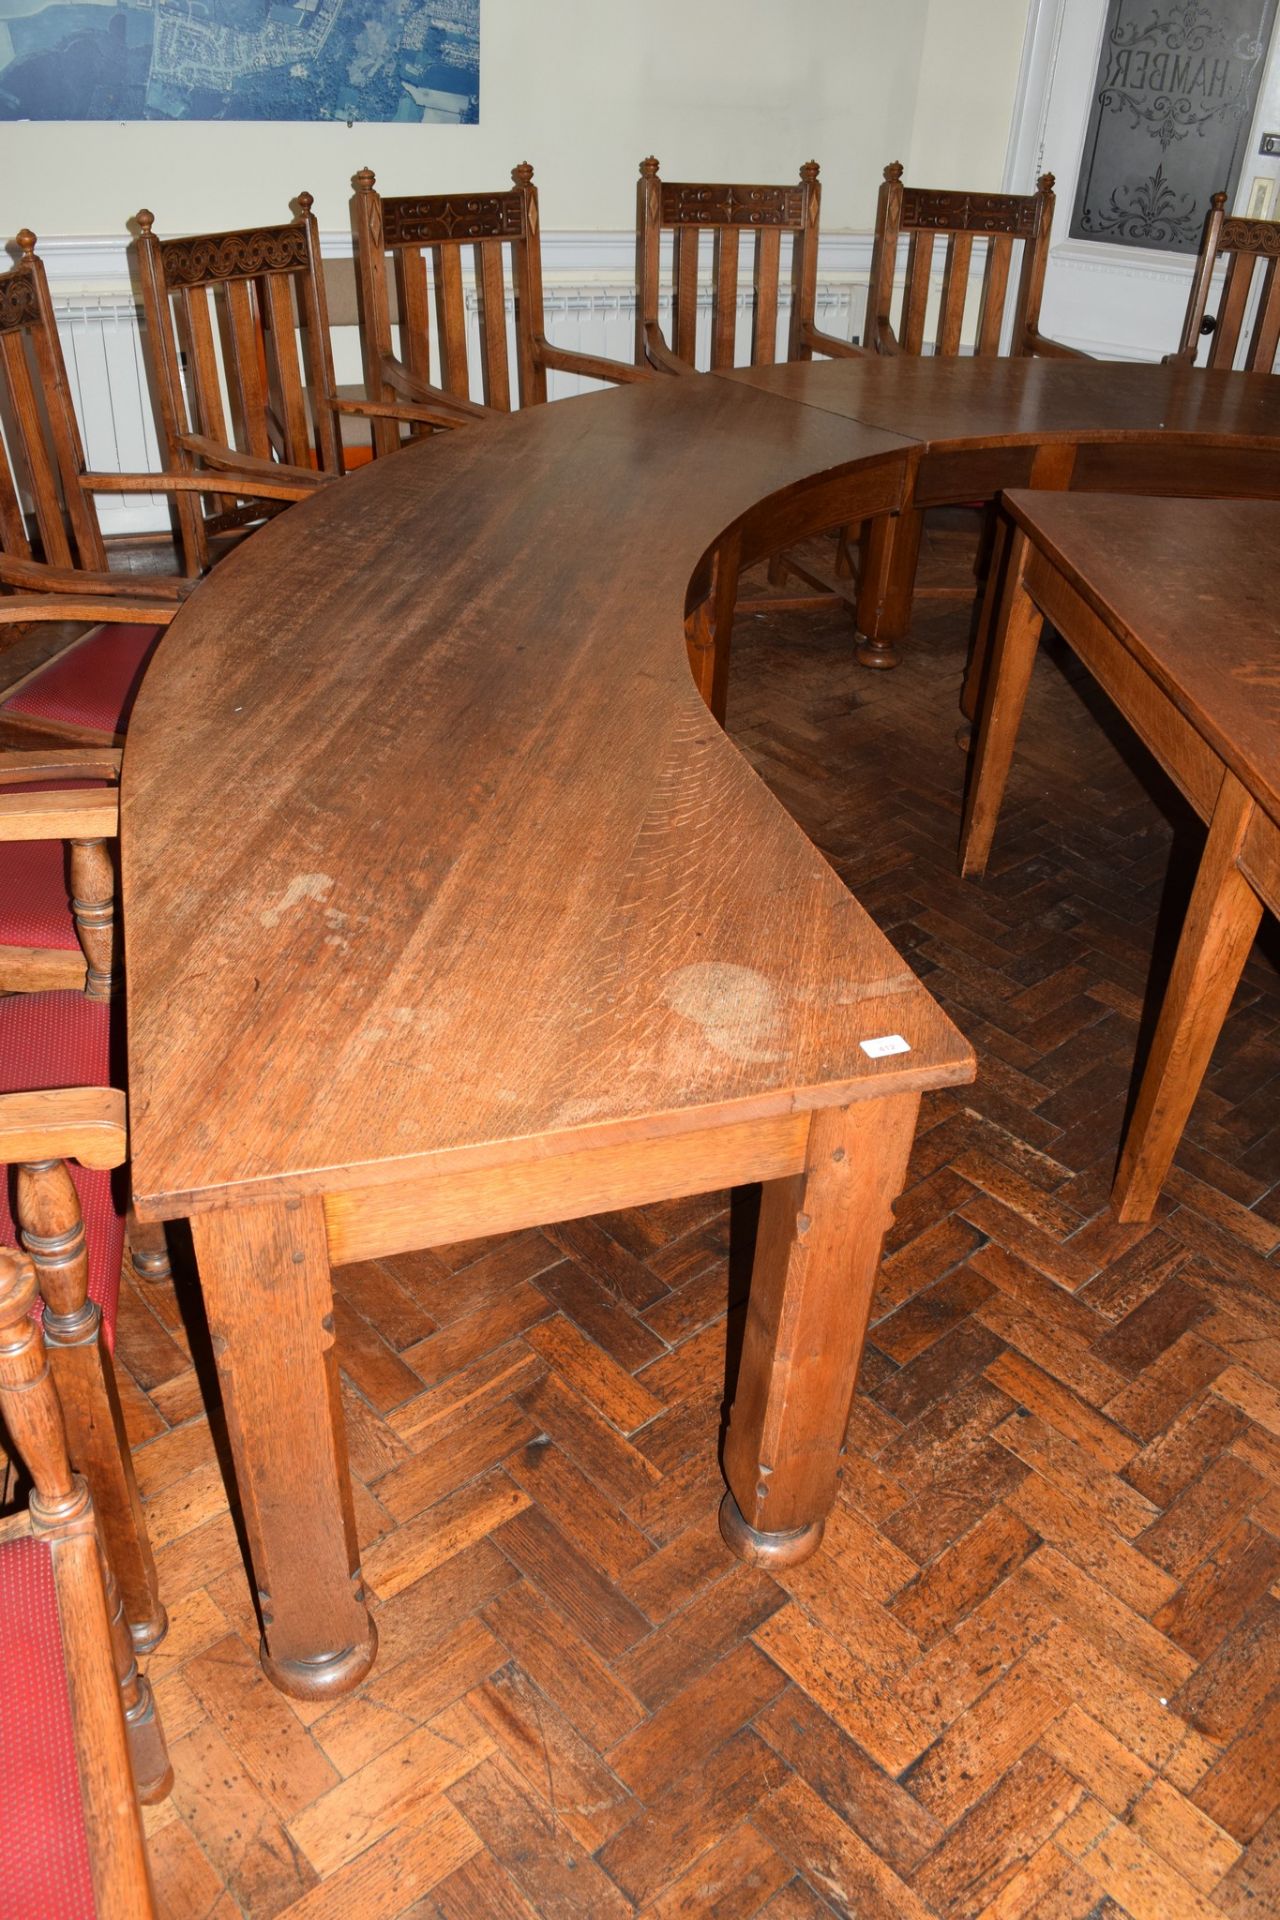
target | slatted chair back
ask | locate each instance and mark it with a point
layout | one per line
(411, 261)
(1245, 331)
(979, 229)
(239, 336)
(687, 211)
(43, 513)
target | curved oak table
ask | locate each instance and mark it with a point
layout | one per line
(450, 910)
(983, 425)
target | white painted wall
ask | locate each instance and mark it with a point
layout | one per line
(718, 89)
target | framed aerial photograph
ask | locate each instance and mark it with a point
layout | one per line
(240, 60)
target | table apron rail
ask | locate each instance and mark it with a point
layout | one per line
(1190, 762)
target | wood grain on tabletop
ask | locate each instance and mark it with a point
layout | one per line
(484, 869)
(990, 402)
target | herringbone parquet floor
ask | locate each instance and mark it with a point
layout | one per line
(1035, 1669)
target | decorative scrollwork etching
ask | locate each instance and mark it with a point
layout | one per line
(233, 256)
(969, 212)
(1185, 54)
(1151, 213)
(425, 221)
(1176, 86)
(685, 206)
(18, 307)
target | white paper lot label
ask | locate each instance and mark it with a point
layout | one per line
(885, 1044)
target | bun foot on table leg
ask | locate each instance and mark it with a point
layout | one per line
(767, 1549)
(875, 654)
(330, 1675)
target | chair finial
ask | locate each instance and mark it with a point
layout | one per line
(523, 174)
(1218, 202)
(306, 201)
(146, 219)
(649, 169)
(893, 172)
(365, 179)
(1046, 183)
(27, 241)
(810, 170)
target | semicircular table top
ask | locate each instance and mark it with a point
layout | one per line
(429, 843)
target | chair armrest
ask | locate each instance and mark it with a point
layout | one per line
(401, 410)
(590, 365)
(421, 392)
(262, 480)
(70, 1123)
(829, 343)
(80, 813)
(58, 763)
(229, 463)
(17, 609)
(886, 338)
(659, 354)
(1043, 346)
(77, 813)
(34, 574)
(1184, 357)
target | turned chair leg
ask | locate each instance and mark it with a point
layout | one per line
(61, 1507)
(53, 1234)
(93, 886)
(152, 1769)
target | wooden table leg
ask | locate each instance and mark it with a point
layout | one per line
(709, 629)
(817, 1257)
(264, 1273)
(890, 548)
(1219, 930)
(992, 589)
(1004, 694)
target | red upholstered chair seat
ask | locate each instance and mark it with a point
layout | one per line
(34, 907)
(35, 901)
(94, 684)
(44, 1851)
(63, 1040)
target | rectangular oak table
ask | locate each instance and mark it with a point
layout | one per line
(1171, 605)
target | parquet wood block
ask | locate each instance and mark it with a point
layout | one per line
(1034, 1672)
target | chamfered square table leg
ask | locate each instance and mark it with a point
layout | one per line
(264, 1273)
(1222, 920)
(817, 1256)
(1004, 695)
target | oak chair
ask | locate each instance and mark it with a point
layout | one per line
(687, 211)
(1238, 336)
(80, 1742)
(53, 562)
(711, 278)
(239, 339)
(57, 1104)
(980, 229)
(993, 223)
(410, 251)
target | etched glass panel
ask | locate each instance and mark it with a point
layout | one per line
(1170, 118)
